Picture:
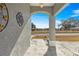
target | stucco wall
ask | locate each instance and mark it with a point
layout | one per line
(11, 35)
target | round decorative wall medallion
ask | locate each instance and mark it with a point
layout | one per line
(19, 18)
(4, 16)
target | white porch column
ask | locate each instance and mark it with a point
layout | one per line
(51, 43)
(52, 30)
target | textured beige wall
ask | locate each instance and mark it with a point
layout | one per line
(10, 41)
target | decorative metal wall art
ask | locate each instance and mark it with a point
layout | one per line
(4, 16)
(19, 18)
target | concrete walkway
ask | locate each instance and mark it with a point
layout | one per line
(67, 48)
(39, 48)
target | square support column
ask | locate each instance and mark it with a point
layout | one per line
(51, 43)
(52, 38)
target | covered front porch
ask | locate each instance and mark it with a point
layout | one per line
(15, 39)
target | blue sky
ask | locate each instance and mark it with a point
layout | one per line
(41, 20)
(72, 10)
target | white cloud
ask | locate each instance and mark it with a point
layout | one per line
(57, 23)
(76, 13)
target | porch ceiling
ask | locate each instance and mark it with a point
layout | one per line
(59, 7)
(38, 4)
(48, 7)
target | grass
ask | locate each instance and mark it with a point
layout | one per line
(39, 32)
(58, 37)
(67, 31)
(67, 38)
(40, 37)
(58, 31)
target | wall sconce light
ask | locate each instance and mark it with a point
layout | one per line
(41, 5)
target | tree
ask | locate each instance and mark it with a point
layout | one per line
(70, 23)
(33, 26)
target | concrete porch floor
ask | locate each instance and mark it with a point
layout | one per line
(39, 48)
